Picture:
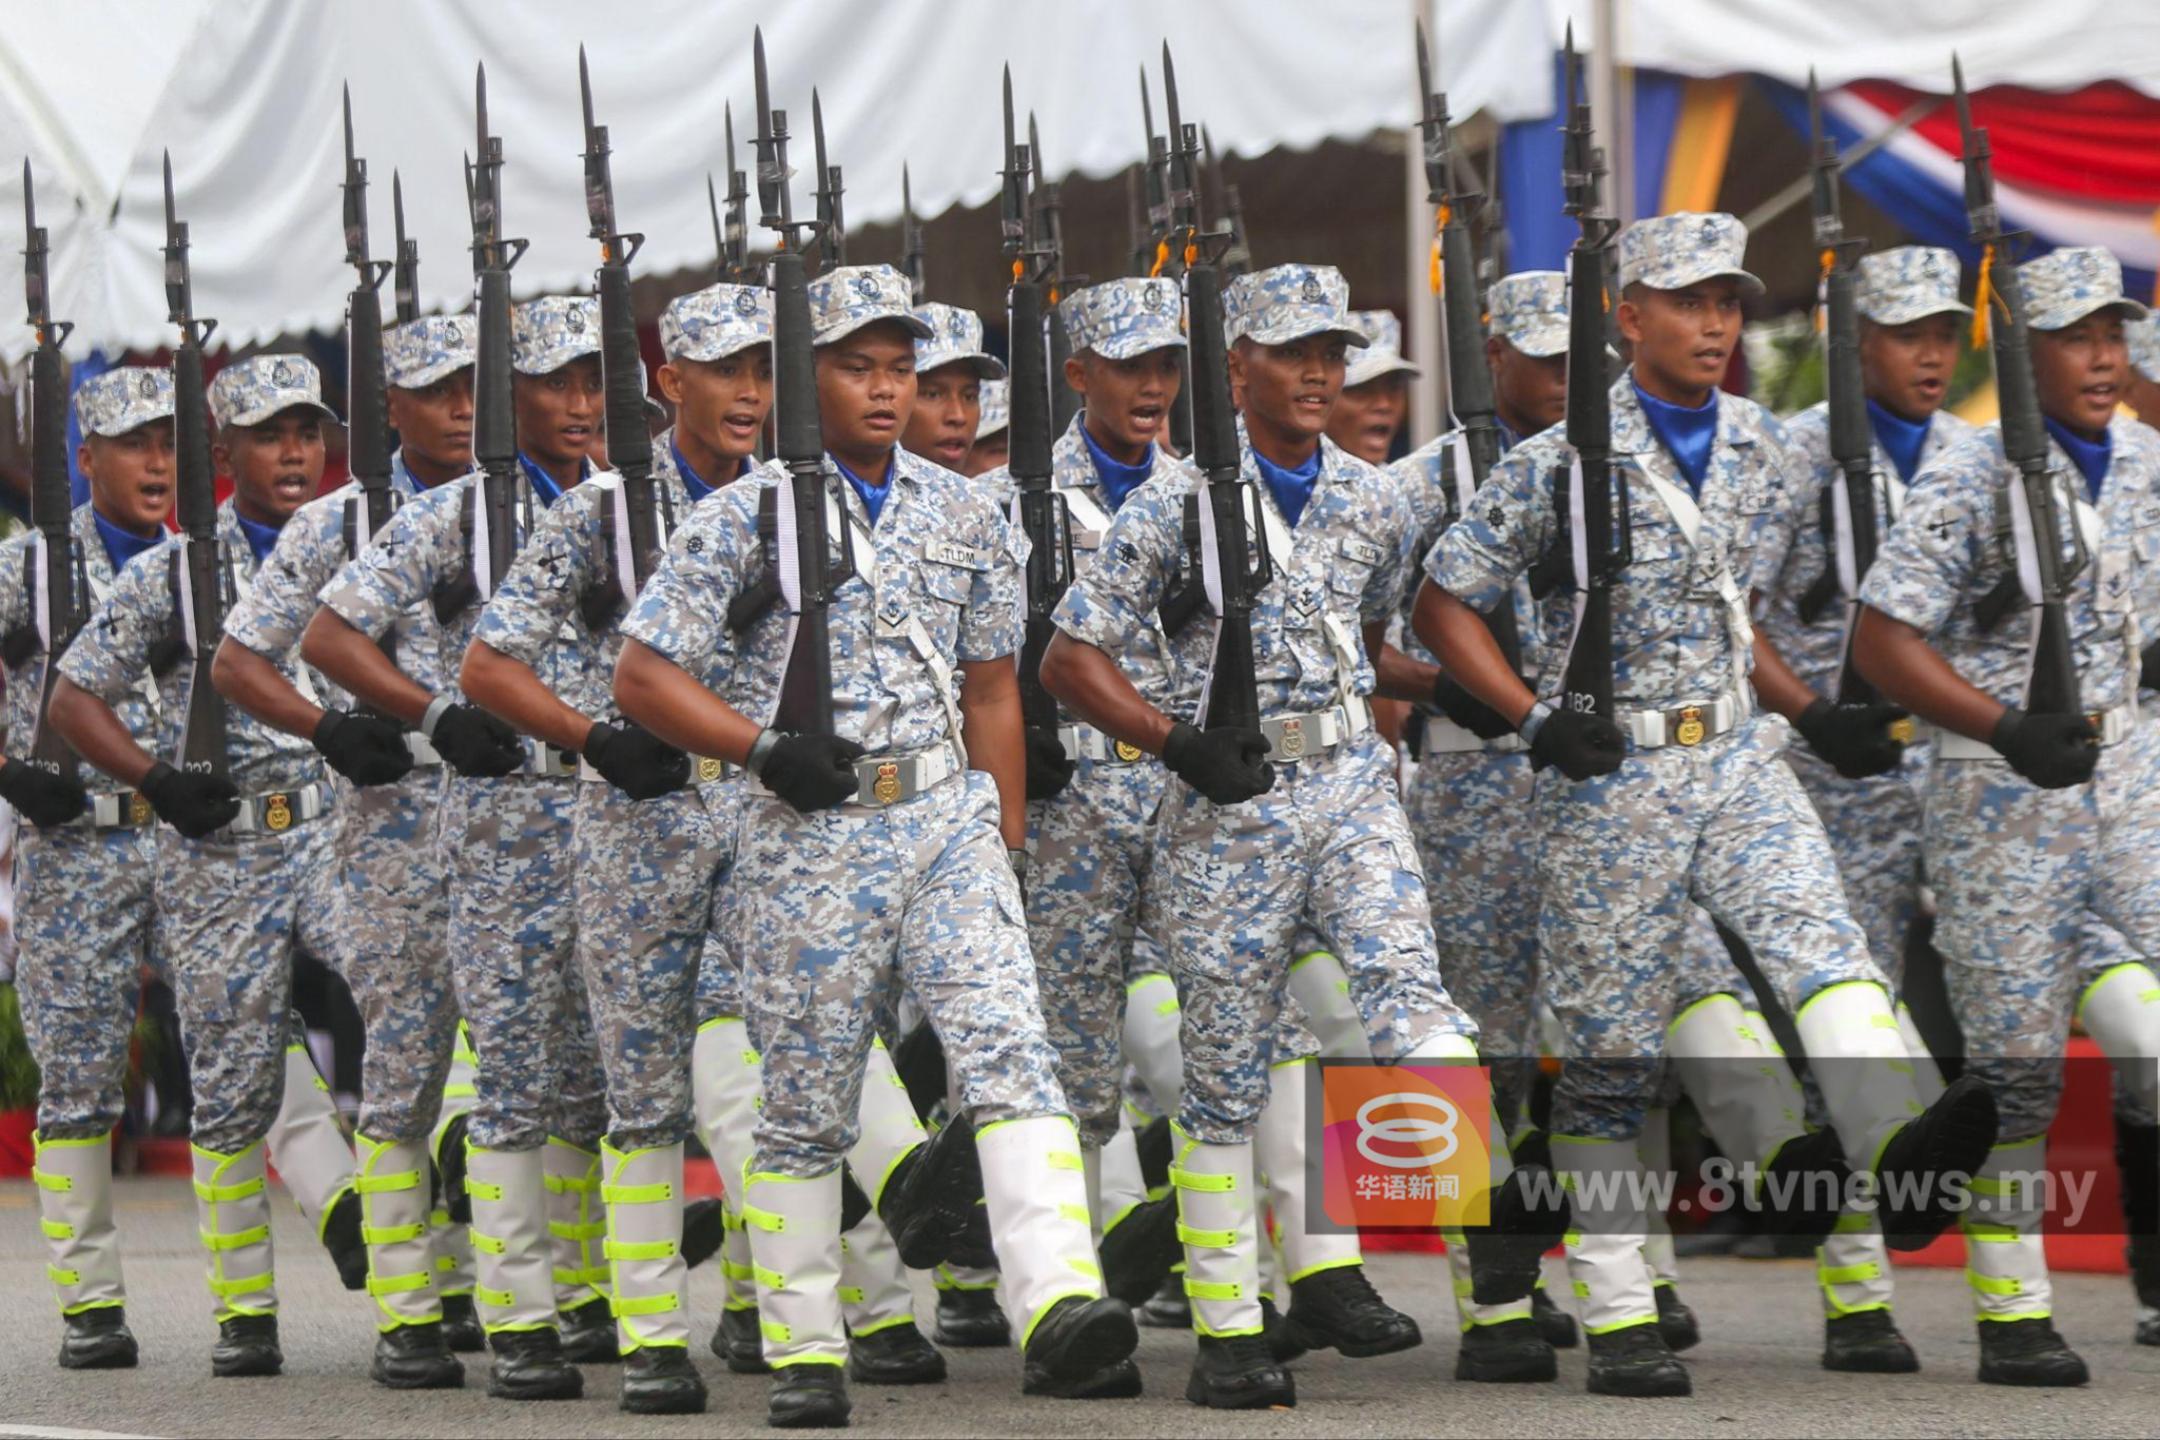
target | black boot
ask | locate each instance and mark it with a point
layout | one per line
(450, 1170)
(1237, 1373)
(2137, 1157)
(1282, 1341)
(1138, 1250)
(1529, 1214)
(738, 1340)
(341, 1237)
(461, 1325)
(529, 1365)
(1074, 1342)
(2027, 1352)
(97, 1340)
(919, 1061)
(704, 1229)
(1803, 1187)
(660, 1380)
(246, 1345)
(415, 1357)
(1512, 1352)
(973, 1248)
(1152, 1142)
(588, 1333)
(1636, 1362)
(1555, 1324)
(931, 1196)
(1867, 1343)
(1338, 1309)
(1953, 1134)
(1675, 1320)
(1167, 1308)
(971, 1320)
(807, 1397)
(895, 1355)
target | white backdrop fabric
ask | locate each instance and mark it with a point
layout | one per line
(245, 95)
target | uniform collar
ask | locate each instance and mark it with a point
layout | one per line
(120, 545)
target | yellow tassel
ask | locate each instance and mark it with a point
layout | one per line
(1435, 277)
(1983, 296)
(1829, 263)
(1162, 258)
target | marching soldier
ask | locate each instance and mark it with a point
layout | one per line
(390, 889)
(1375, 398)
(1705, 480)
(2003, 779)
(533, 1169)
(872, 855)
(951, 369)
(244, 877)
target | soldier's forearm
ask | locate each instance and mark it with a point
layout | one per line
(1897, 660)
(358, 664)
(1090, 684)
(1395, 675)
(260, 688)
(661, 696)
(508, 687)
(1776, 686)
(990, 727)
(1459, 636)
(96, 733)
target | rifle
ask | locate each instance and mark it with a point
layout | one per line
(635, 506)
(405, 283)
(1045, 215)
(1224, 199)
(731, 240)
(1470, 388)
(832, 228)
(806, 701)
(1601, 516)
(199, 562)
(58, 599)
(1852, 444)
(911, 243)
(367, 405)
(492, 501)
(1233, 699)
(1043, 513)
(2053, 689)
(1164, 258)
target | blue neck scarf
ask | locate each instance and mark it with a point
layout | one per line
(1687, 435)
(2090, 456)
(262, 539)
(1291, 488)
(873, 496)
(1118, 479)
(121, 545)
(1901, 439)
(543, 484)
(692, 481)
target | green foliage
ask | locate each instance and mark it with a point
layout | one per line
(18, 1071)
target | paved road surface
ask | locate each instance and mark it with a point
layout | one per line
(1755, 1375)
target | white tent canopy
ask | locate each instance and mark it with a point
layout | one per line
(244, 93)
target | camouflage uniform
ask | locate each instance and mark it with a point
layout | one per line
(234, 906)
(1381, 355)
(996, 408)
(955, 335)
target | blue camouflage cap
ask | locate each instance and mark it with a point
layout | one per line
(955, 335)
(2143, 334)
(420, 352)
(2064, 286)
(716, 322)
(842, 301)
(1672, 252)
(123, 398)
(1907, 283)
(550, 332)
(1119, 319)
(1382, 354)
(1289, 302)
(1530, 312)
(997, 407)
(250, 391)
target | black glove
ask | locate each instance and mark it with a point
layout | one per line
(1856, 739)
(2053, 751)
(1049, 768)
(190, 801)
(1020, 863)
(475, 743)
(1581, 744)
(810, 772)
(45, 797)
(1466, 710)
(2149, 670)
(636, 761)
(365, 749)
(1228, 765)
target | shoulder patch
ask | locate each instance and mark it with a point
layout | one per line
(951, 552)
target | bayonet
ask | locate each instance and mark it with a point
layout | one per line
(201, 559)
(406, 281)
(911, 242)
(367, 408)
(735, 242)
(832, 225)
